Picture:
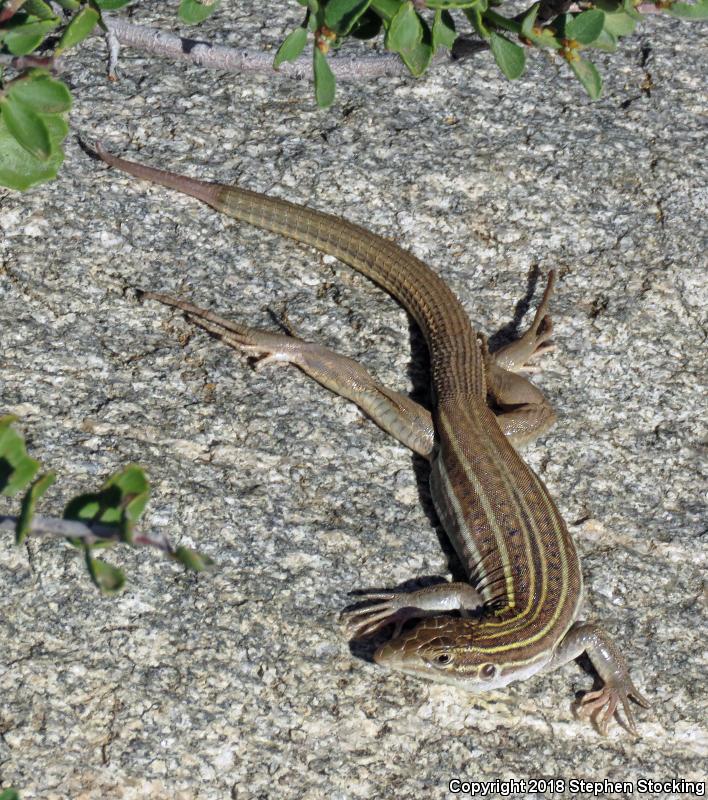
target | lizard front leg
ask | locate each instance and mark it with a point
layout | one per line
(399, 607)
(396, 413)
(601, 705)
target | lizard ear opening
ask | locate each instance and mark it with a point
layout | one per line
(487, 672)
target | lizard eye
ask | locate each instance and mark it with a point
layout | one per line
(443, 659)
(487, 672)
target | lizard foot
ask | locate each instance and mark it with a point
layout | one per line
(542, 345)
(366, 621)
(517, 355)
(600, 706)
(264, 347)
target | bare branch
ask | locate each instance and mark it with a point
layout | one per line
(214, 56)
(89, 533)
(20, 63)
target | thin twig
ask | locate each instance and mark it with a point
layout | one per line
(20, 63)
(90, 533)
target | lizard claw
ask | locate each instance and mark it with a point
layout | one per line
(601, 705)
(542, 345)
(366, 621)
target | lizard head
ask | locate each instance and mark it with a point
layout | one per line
(448, 650)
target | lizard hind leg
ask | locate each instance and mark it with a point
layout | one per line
(516, 356)
(521, 409)
(396, 413)
(523, 413)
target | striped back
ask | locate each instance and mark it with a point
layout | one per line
(505, 529)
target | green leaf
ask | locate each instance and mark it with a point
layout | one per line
(293, 44)
(106, 577)
(26, 126)
(543, 37)
(619, 23)
(78, 29)
(324, 79)
(443, 31)
(24, 521)
(19, 169)
(25, 38)
(120, 502)
(111, 5)
(193, 12)
(9, 794)
(16, 468)
(39, 9)
(529, 20)
(606, 41)
(341, 15)
(476, 17)
(41, 93)
(405, 31)
(510, 57)
(417, 60)
(386, 9)
(409, 36)
(135, 493)
(588, 75)
(72, 5)
(697, 10)
(500, 21)
(585, 27)
(445, 4)
(560, 23)
(192, 560)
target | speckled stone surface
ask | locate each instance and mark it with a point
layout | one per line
(241, 683)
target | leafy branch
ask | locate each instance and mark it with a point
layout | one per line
(416, 29)
(35, 34)
(90, 521)
(33, 102)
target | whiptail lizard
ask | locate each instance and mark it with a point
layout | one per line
(519, 611)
